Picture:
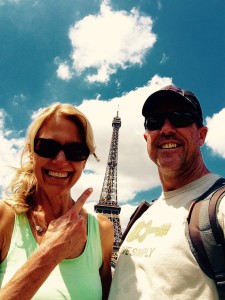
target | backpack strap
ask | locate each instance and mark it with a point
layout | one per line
(142, 207)
(205, 237)
(218, 264)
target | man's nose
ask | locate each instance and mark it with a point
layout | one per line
(167, 127)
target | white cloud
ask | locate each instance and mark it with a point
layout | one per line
(9, 153)
(216, 137)
(63, 71)
(110, 40)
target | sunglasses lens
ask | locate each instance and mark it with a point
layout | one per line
(177, 119)
(154, 122)
(76, 151)
(49, 148)
(46, 147)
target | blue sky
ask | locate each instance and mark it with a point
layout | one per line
(101, 54)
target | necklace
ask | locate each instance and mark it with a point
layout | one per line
(38, 228)
(36, 223)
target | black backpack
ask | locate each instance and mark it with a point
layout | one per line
(205, 237)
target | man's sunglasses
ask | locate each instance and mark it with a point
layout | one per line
(155, 121)
(49, 148)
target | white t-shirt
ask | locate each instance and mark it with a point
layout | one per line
(155, 261)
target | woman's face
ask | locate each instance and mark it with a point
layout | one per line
(57, 175)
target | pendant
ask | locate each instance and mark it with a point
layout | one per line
(38, 228)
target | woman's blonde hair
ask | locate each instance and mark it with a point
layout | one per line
(24, 182)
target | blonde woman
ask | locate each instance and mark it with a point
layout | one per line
(50, 246)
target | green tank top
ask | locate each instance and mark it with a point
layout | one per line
(75, 279)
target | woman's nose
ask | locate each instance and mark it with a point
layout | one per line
(60, 157)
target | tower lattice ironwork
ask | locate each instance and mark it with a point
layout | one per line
(108, 199)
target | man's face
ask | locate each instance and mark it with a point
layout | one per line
(175, 149)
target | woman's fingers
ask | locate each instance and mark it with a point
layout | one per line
(79, 203)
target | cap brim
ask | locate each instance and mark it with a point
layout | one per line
(158, 98)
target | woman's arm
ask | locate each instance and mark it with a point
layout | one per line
(107, 240)
(57, 244)
(7, 218)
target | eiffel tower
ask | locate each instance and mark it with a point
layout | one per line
(108, 199)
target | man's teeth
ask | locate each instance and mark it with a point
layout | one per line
(57, 174)
(169, 146)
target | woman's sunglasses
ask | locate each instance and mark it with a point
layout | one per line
(155, 121)
(49, 148)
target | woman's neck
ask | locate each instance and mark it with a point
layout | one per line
(51, 205)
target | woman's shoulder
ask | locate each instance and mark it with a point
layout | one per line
(7, 217)
(105, 224)
(102, 219)
(6, 211)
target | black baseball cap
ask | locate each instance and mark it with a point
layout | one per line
(174, 94)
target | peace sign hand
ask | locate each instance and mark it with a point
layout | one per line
(66, 236)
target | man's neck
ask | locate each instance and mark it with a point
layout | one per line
(172, 182)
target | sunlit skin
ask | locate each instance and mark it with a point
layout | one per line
(57, 175)
(176, 152)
